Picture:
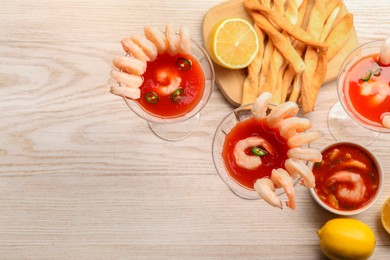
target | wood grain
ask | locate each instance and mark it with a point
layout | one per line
(82, 177)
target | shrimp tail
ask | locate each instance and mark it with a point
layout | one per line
(260, 106)
(185, 40)
(386, 120)
(282, 111)
(282, 179)
(298, 167)
(266, 189)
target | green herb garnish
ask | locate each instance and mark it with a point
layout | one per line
(258, 151)
(183, 64)
(177, 95)
(366, 76)
(151, 98)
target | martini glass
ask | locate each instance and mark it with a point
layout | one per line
(238, 115)
(179, 128)
(344, 121)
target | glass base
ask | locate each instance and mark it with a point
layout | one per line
(343, 128)
(175, 131)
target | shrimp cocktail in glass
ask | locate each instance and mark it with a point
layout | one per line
(261, 151)
(165, 78)
(364, 93)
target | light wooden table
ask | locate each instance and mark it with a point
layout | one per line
(82, 177)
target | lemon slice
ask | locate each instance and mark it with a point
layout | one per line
(234, 43)
(385, 215)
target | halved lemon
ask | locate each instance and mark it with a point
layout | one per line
(385, 215)
(233, 43)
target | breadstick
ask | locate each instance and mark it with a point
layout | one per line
(278, 65)
(333, 8)
(315, 27)
(298, 33)
(330, 6)
(279, 6)
(296, 88)
(275, 62)
(288, 74)
(317, 20)
(339, 35)
(266, 3)
(280, 42)
(318, 79)
(250, 89)
(329, 23)
(269, 48)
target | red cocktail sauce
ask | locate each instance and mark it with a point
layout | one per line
(247, 128)
(366, 105)
(192, 83)
(333, 160)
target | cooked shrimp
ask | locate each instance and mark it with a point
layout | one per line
(133, 93)
(284, 110)
(174, 84)
(147, 46)
(266, 189)
(172, 39)
(385, 52)
(130, 65)
(354, 193)
(379, 98)
(260, 106)
(169, 82)
(282, 179)
(185, 40)
(157, 37)
(379, 89)
(250, 161)
(303, 138)
(131, 81)
(130, 47)
(311, 155)
(297, 167)
(290, 126)
(386, 120)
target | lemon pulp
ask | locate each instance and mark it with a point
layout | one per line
(233, 43)
(385, 215)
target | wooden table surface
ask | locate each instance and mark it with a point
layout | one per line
(83, 177)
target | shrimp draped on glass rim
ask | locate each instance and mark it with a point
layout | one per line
(145, 48)
(295, 130)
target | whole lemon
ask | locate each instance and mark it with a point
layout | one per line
(345, 238)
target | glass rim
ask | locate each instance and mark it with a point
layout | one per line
(237, 188)
(359, 119)
(146, 115)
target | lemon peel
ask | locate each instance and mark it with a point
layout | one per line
(345, 238)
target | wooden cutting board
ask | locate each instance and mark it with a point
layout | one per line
(230, 81)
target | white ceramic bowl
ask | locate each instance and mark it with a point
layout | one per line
(373, 199)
